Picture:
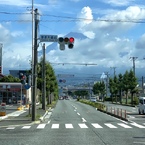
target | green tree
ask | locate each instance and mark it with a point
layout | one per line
(115, 87)
(111, 88)
(9, 78)
(132, 84)
(120, 86)
(126, 84)
(51, 81)
(96, 88)
(102, 89)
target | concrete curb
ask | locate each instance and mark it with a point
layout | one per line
(42, 118)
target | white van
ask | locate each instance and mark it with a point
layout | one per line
(141, 106)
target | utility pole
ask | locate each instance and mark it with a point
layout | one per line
(114, 68)
(44, 80)
(34, 76)
(107, 74)
(142, 84)
(133, 60)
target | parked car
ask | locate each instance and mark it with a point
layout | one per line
(61, 98)
(93, 99)
(141, 106)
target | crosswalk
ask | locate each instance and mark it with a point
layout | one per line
(79, 125)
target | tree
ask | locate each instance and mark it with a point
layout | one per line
(51, 81)
(111, 88)
(9, 78)
(132, 84)
(96, 88)
(102, 89)
(126, 84)
(120, 86)
(115, 87)
(99, 89)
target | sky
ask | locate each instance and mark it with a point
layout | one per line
(114, 33)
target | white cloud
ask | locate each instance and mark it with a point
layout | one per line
(119, 2)
(16, 2)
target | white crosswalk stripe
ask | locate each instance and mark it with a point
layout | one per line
(137, 125)
(69, 126)
(26, 127)
(41, 126)
(124, 125)
(80, 125)
(55, 126)
(83, 126)
(96, 125)
(110, 125)
(11, 127)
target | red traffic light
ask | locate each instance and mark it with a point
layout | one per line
(71, 40)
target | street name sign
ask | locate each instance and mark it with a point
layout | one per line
(48, 38)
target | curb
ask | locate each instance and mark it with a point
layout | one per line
(42, 118)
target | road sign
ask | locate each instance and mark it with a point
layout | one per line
(27, 86)
(48, 38)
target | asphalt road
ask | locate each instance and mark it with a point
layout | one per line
(74, 123)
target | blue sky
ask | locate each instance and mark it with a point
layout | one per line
(108, 43)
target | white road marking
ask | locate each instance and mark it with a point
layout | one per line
(121, 120)
(84, 120)
(11, 127)
(137, 125)
(68, 126)
(96, 125)
(26, 127)
(16, 113)
(74, 110)
(48, 121)
(124, 125)
(110, 125)
(83, 126)
(78, 113)
(55, 126)
(40, 126)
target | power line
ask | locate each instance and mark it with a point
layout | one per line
(74, 63)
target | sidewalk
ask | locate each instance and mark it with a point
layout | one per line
(21, 117)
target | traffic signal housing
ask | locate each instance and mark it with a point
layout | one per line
(71, 42)
(66, 40)
(23, 79)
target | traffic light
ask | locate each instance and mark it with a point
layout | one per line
(0, 70)
(23, 79)
(61, 42)
(66, 40)
(71, 42)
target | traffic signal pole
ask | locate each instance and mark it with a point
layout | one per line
(34, 75)
(44, 80)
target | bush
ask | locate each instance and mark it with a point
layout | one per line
(135, 101)
(108, 99)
